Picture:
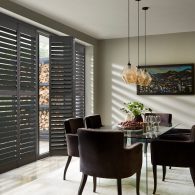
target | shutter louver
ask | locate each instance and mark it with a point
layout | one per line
(79, 80)
(61, 90)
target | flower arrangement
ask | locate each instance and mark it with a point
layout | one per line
(135, 108)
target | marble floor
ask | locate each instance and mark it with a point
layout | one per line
(44, 177)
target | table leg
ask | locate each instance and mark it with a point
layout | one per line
(146, 167)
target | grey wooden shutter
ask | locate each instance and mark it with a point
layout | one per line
(61, 90)
(28, 93)
(8, 95)
(17, 93)
(79, 80)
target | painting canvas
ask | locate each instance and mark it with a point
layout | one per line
(169, 80)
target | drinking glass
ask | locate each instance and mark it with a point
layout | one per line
(147, 120)
(152, 122)
(158, 120)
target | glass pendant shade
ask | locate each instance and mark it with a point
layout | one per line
(129, 74)
(143, 77)
(146, 79)
(140, 77)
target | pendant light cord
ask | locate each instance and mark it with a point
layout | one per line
(145, 9)
(145, 39)
(128, 32)
(138, 33)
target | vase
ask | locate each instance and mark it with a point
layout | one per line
(138, 118)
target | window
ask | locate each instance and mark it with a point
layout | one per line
(20, 76)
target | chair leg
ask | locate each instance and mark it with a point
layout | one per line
(138, 174)
(145, 147)
(125, 141)
(94, 183)
(82, 184)
(66, 167)
(164, 172)
(155, 178)
(192, 172)
(119, 189)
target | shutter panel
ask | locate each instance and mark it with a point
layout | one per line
(18, 93)
(8, 98)
(27, 94)
(79, 80)
(61, 90)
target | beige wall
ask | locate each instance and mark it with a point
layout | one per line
(161, 49)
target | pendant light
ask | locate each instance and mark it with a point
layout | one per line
(136, 75)
(147, 78)
(140, 73)
(129, 74)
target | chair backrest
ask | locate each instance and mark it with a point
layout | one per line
(72, 124)
(193, 134)
(76, 123)
(93, 121)
(67, 126)
(100, 152)
(166, 118)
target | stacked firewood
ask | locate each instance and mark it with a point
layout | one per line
(44, 95)
(44, 120)
(44, 73)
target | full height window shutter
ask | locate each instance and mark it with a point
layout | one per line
(8, 95)
(79, 77)
(18, 101)
(61, 90)
(19, 92)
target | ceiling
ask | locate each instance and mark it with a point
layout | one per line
(107, 19)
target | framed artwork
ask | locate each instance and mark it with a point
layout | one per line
(175, 79)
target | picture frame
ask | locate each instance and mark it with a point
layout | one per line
(173, 79)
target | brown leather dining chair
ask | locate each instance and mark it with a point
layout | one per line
(172, 134)
(176, 153)
(102, 154)
(93, 121)
(71, 126)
